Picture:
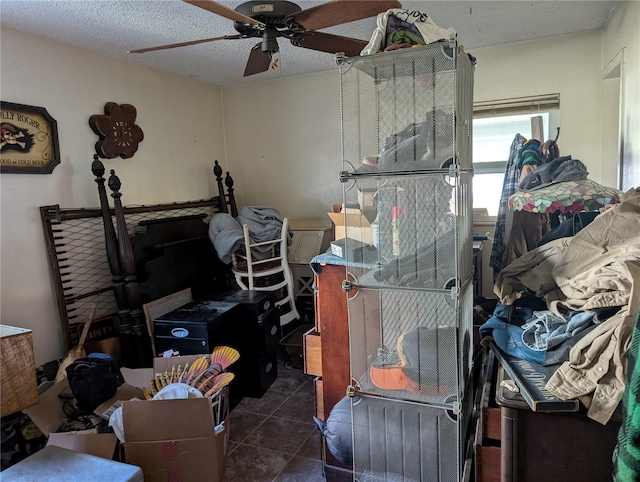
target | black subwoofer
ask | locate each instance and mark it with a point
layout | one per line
(258, 325)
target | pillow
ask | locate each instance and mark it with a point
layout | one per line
(337, 431)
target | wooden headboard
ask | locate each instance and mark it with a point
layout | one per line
(83, 254)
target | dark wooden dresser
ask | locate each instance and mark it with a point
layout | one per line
(514, 443)
(326, 355)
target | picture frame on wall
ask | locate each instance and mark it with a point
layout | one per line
(28, 140)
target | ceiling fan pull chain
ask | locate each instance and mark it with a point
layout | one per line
(273, 64)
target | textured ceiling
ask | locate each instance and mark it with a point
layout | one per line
(113, 27)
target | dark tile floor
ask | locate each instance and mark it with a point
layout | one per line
(273, 438)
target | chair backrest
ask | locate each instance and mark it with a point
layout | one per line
(273, 271)
(276, 262)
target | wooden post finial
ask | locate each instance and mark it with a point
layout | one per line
(114, 184)
(97, 168)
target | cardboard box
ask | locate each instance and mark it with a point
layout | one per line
(175, 440)
(124, 392)
(169, 439)
(220, 406)
(141, 377)
(357, 225)
(98, 444)
(47, 415)
(18, 382)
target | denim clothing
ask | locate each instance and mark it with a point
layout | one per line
(556, 356)
(559, 354)
(546, 330)
(508, 336)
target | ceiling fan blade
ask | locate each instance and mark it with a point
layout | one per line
(338, 12)
(326, 42)
(218, 9)
(258, 61)
(183, 44)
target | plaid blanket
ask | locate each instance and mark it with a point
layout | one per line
(626, 457)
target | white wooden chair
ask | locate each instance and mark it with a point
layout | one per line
(269, 274)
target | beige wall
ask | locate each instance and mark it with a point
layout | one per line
(621, 39)
(183, 134)
(283, 143)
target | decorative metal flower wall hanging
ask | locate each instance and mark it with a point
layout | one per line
(119, 134)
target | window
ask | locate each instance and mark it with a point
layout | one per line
(495, 125)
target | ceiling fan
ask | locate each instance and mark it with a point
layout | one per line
(279, 18)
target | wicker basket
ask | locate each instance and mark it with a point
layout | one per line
(18, 380)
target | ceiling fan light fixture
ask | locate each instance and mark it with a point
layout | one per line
(269, 41)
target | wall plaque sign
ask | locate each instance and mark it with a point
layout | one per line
(28, 141)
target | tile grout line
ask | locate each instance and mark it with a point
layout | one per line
(289, 395)
(292, 457)
(255, 428)
(270, 415)
(267, 416)
(293, 420)
(303, 442)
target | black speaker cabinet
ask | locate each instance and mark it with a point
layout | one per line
(258, 322)
(196, 327)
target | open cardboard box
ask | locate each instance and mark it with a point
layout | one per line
(357, 226)
(174, 439)
(166, 438)
(48, 413)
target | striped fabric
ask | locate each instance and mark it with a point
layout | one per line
(509, 187)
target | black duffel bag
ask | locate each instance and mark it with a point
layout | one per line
(93, 379)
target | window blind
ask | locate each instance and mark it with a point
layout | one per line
(522, 105)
